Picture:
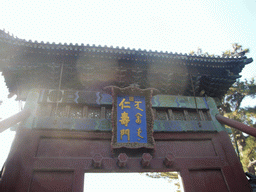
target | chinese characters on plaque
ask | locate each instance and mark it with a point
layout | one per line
(131, 119)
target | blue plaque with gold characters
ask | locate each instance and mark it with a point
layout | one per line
(132, 117)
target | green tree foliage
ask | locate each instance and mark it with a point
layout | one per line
(237, 51)
(199, 52)
(245, 145)
(172, 177)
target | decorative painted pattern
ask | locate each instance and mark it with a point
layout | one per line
(105, 125)
(103, 122)
(97, 98)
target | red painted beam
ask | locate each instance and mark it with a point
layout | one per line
(13, 120)
(237, 125)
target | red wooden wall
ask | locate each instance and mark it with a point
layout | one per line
(44, 160)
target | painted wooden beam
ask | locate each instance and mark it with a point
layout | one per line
(13, 120)
(237, 125)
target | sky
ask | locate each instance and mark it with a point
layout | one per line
(173, 26)
(126, 182)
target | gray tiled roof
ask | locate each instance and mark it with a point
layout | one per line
(74, 49)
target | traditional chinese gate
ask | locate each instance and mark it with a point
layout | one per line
(73, 125)
(52, 154)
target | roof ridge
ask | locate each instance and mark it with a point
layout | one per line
(70, 46)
